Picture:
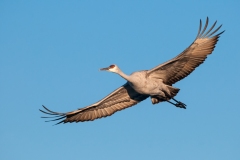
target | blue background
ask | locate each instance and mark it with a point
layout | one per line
(51, 52)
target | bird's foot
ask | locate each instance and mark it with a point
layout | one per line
(180, 105)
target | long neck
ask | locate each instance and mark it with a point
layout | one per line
(123, 75)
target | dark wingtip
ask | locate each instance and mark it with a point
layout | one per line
(55, 115)
(51, 112)
(205, 27)
(208, 34)
(220, 33)
(200, 28)
(59, 123)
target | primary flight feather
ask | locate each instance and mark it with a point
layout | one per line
(155, 83)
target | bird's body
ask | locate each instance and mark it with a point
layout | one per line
(142, 83)
(155, 83)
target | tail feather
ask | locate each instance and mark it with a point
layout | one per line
(173, 91)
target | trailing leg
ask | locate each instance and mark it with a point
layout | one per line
(178, 104)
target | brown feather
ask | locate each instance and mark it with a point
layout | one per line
(119, 99)
(182, 65)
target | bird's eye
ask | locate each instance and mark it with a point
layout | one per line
(112, 66)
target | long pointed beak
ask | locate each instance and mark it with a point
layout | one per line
(104, 69)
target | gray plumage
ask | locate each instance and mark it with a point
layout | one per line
(155, 83)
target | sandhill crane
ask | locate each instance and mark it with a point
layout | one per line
(155, 83)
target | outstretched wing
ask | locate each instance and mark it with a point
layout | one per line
(181, 66)
(121, 98)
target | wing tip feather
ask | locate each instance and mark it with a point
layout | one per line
(209, 33)
(55, 115)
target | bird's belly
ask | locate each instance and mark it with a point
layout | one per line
(148, 88)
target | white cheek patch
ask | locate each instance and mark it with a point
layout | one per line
(112, 69)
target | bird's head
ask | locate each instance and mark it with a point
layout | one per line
(112, 68)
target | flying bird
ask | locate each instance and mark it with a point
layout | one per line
(155, 83)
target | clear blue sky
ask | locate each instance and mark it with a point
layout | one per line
(51, 52)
